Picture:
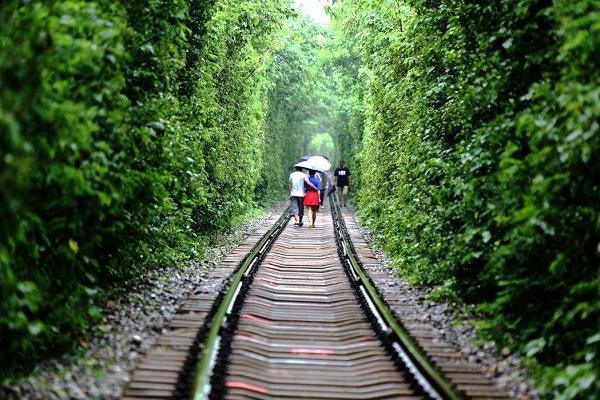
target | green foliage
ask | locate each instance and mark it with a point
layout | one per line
(322, 143)
(129, 131)
(297, 101)
(480, 163)
(343, 67)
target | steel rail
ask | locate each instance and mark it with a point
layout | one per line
(284, 316)
(428, 376)
(201, 386)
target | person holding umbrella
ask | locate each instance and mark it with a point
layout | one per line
(321, 164)
(312, 199)
(296, 184)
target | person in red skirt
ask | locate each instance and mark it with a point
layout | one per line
(312, 198)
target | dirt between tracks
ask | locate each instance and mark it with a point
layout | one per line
(101, 365)
(454, 324)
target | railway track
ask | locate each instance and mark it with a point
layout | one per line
(297, 314)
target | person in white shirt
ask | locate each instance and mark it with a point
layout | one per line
(296, 192)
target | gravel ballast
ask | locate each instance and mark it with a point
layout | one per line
(455, 326)
(101, 365)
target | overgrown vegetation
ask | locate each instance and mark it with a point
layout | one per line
(303, 99)
(480, 164)
(129, 131)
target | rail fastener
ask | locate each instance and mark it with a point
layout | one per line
(201, 386)
(430, 378)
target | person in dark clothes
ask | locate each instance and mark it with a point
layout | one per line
(342, 182)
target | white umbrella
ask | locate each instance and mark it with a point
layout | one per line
(306, 165)
(319, 163)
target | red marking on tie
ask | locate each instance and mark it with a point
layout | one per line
(320, 352)
(246, 386)
(254, 318)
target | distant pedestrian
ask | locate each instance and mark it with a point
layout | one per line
(296, 184)
(312, 199)
(342, 181)
(330, 183)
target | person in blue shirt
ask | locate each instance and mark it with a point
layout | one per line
(312, 198)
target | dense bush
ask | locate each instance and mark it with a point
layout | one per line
(299, 100)
(342, 65)
(129, 131)
(481, 166)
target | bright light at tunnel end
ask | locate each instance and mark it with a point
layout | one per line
(315, 9)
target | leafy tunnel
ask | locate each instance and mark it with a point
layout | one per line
(132, 131)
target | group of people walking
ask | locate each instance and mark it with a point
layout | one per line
(309, 191)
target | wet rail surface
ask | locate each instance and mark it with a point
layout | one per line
(300, 326)
(302, 333)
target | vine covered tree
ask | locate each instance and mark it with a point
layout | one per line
(479, 164)
(130, 132)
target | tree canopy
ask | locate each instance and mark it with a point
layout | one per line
(131, 132)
